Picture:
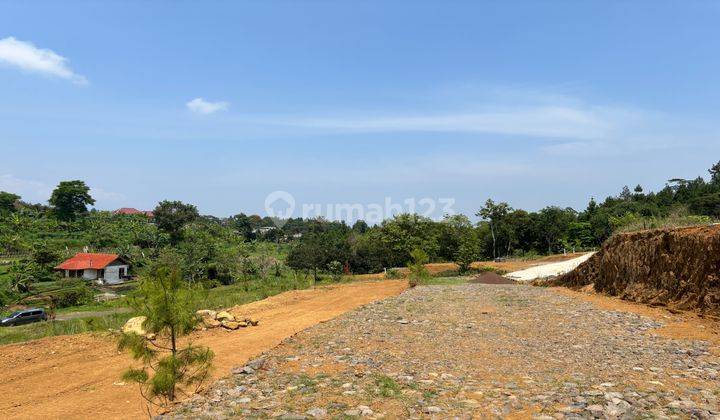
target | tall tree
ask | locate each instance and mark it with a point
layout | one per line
(172, 216)
(7, 202)
(494, 215)
(715, 173)
(70, 200)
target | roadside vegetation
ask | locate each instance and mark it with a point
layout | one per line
(247, 257)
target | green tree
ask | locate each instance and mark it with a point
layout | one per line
(553, 224)
(43, 254)
(70, 200)
(168, 304)
(494, 214)
(172, 216)
(7, 202)
(715, 173)
(360, 226)
(467, 252)
(417, 272)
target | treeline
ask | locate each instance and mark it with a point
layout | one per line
(504, 231)
(226, 250)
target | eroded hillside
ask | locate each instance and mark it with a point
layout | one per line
(678, 268)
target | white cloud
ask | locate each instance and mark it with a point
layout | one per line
(35, 191)
(28, 189)
(28, 57)
(201, 106)
(543, 121)
(103, 195)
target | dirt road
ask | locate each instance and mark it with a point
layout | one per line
(79, 376)
(484, 351)
(548, 270)
(513, 264)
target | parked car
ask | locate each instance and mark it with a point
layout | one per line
(25, 316)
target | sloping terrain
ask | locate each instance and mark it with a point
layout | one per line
(479, 351)
(78, 376)
(678, 268)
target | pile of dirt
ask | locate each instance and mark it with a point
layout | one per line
(678, 268)
(491, 278)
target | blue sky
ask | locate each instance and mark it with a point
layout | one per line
(221, 103)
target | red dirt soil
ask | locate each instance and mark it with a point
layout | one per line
(677, 268)
(491, 278)
(78, 376)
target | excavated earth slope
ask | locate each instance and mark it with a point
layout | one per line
(678, 268)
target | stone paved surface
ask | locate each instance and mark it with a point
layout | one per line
(474, 351)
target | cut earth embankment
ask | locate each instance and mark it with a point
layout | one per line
(677, 268)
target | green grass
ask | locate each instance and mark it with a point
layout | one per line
(387, 387)
(306, 384)
(95, 306)
(512, 300)
(445, 281)
(634, 223)
(52, 328)
(216, 298)
(258, 289)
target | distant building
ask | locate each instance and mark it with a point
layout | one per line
(103, 268)
(264, 229)
(130, 210)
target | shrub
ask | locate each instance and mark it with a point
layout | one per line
(393, 273)
(336, 270)
(75, 296)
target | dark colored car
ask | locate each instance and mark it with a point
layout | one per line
(25, 316)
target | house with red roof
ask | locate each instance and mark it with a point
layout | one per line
(130, 210)
(103, 268)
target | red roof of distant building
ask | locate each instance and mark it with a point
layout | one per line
(130, 210)
(82, 261)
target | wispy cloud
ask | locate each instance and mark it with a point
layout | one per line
(100, 194)
(36, 191)
(30, 190)
(201, 106)
(545, 121)
(28, 57)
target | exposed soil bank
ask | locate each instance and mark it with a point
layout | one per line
(678, 268)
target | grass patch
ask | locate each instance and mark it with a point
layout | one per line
(253, 290)
(445, 281)
(216, 298)
(511, 300)
(632, 222)
(429, 395)
(52, 328)
(386, 386)
(306, 384)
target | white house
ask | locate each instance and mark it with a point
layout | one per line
(103, 268)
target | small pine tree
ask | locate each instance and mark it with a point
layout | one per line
(467, 253)
(169, 305)
(418, 273)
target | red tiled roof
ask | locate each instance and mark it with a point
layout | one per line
(130, 210)
(81, 261)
